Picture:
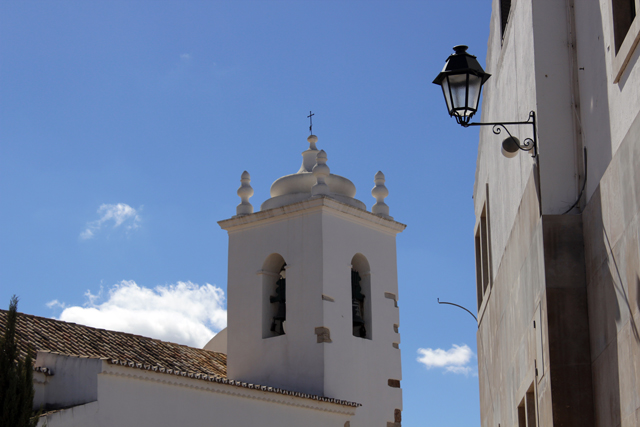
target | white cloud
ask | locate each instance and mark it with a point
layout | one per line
(118, 215)
(185, 313)
(55, 303)
(453, 360)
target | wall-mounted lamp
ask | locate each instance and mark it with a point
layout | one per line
(461, 81)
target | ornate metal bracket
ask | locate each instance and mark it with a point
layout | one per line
(528, 144)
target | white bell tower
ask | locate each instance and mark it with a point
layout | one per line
(313, 290)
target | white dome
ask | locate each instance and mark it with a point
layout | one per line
(297, 187)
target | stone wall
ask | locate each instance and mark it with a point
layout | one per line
(612, 246)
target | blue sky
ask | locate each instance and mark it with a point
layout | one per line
(125, 126)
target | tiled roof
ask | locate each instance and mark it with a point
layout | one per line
(134, 351)
(39, 333)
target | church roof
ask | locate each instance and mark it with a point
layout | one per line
(41, 334)
(35, 334)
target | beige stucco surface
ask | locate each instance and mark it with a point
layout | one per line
(580, 271)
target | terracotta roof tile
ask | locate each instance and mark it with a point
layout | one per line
(39, 333)
(35, 333)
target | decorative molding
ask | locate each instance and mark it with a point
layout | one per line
(328, 298)
(395, 328)
(317, 203)
(396, 345)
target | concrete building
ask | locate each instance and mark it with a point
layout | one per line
(312, 336)
(558, 236)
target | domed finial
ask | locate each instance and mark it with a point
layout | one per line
(379, 192)
(312, 139)
(320, 171)
(245, 191)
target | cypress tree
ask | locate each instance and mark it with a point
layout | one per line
(16, 377)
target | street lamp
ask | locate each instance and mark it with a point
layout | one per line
(461, 80)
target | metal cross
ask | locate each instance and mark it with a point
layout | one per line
(310, 122)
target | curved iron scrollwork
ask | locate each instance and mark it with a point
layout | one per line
(527, 144)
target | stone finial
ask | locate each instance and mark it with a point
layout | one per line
(309, 155)
(312, 139)
(379, 192)
(320, 171)
(245, 191)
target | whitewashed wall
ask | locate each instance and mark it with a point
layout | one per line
(318, 240)
(131, 396)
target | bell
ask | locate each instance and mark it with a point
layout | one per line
(357, 316)
(281, 299)
(358, 321)
(281, 314)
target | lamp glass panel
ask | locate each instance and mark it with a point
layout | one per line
(447, 95)
(458, 83)
(475, 86)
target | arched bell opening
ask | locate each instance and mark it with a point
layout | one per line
(361, 297)
(274, 296)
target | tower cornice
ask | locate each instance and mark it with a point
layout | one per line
(316, 203)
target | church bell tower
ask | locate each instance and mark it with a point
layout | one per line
(313, 290)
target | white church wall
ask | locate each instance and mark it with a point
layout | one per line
(319, 353)
(78, 416)
(360, 368)
(131, 396)
(273, 361)
(74, 380)
(377, 357)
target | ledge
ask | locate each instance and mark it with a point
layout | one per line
(315, 203)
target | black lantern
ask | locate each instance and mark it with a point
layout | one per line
(461, 80)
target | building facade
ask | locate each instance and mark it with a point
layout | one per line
(557, 236)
